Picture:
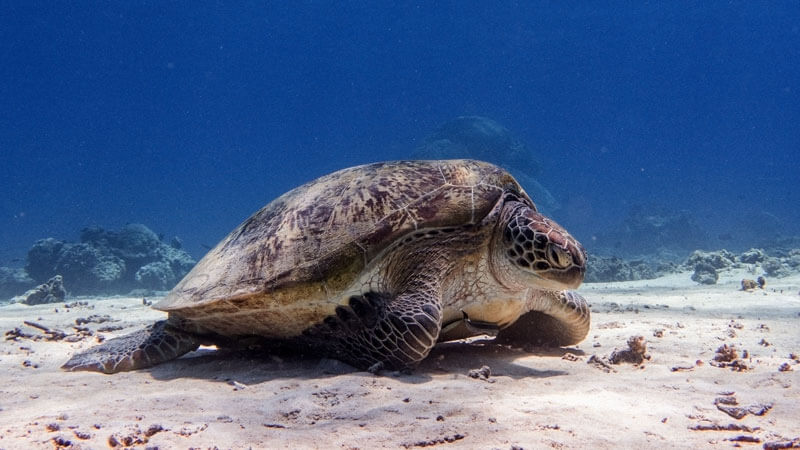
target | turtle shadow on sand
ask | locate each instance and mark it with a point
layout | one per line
(251, 367)
(463, 356)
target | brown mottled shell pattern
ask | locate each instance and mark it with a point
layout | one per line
(315, 240)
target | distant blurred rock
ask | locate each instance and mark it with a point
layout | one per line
(158, 275)
(611, 268)
(705, 273)
(42, 259)
(110, 262)
(720, 259)
(603, 269)
(778, 245)
(781, 263)
(782, 266)
(652, 230)
(50, 292)
(706, 265)
(136, 242)
(88, 268)
(752, 256)
(14, 281)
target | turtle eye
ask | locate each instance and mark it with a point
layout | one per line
(558, 257)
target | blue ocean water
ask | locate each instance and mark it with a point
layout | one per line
(188, 117)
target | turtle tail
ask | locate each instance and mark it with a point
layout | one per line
(155, 344)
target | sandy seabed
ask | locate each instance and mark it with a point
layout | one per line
(532, 398)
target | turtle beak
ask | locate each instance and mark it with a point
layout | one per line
(538, 245)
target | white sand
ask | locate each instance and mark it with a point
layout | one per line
(547, 398)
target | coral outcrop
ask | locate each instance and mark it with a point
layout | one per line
(706, 266)
(110, 262)
(782, 264)
(611, 268)
(705, 273)
(50, 292)
(721, 259)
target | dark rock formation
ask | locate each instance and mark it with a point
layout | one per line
(159, 275)
(705, 273)
(752, 256)
(88, 268)
(42, 257)
(110, 262)
(50, 292)
(720, 259)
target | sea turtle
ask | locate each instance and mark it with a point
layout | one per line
(373, 265)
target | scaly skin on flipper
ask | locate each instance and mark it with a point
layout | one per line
(556, 318)
(155, 344)
(377, 332)
(395, 329)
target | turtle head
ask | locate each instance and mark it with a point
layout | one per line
(539, 250)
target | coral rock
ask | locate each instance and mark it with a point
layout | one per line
(110, 262)
(636, 353)
(705, 274)
(718, 260)
(51, 292)
(749, 285)
(752, 256)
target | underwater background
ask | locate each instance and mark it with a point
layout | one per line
(188, 117)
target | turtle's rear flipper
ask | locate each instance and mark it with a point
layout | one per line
(145, 348)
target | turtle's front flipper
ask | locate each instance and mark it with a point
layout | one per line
(555, 318)
(145, 348)
(375, 331)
